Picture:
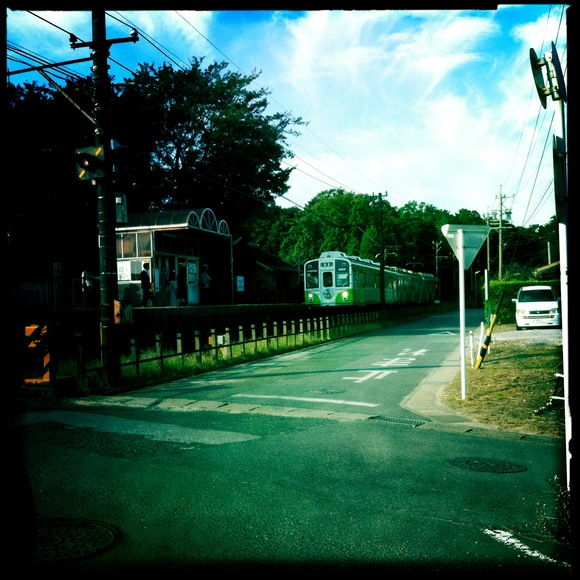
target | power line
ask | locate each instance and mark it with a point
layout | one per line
(283, 109)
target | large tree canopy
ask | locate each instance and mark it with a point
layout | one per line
(208, 139)
(183, 139)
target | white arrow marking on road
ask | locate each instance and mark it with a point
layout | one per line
(407, 351)
(370, 375)
(394, 362)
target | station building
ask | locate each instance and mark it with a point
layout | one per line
(178, 246)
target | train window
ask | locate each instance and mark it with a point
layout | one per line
(311, 279)
(327, 279)
(312, 275)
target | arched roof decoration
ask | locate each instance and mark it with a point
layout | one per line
(199, 219)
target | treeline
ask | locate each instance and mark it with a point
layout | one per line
(201, 137)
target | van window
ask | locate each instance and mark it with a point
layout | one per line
(539, 295)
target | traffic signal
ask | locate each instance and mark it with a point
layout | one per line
(90, 162)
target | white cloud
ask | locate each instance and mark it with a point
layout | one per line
(435, 106)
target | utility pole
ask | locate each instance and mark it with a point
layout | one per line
(498, 224)
(437, 246)
(110, 357)
(382, 258)
(549, 81)
(106, 200)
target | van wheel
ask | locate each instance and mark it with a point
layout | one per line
(518, 327)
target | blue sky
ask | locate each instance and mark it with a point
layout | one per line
(433, 106)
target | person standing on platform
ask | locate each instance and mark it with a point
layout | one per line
(146, 285)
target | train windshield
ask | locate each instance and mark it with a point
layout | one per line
(342, 274)
(312, 275)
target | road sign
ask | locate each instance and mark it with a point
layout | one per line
(465, 242)
(473, 238)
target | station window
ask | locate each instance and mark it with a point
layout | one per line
(144, 243)
(126, 245)
(134, 245)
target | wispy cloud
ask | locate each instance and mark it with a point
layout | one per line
(434, 106)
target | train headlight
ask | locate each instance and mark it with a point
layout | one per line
(345, 295)
(310, 297)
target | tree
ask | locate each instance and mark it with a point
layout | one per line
(184, 139)
(208, 140)
(51, 216)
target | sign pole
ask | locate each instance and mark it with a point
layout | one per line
(465, 241)
(461, 258)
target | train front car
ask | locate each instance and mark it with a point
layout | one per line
(328, 280)
(335, 279)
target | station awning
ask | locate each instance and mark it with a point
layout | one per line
(199, 219)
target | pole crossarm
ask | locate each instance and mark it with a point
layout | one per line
(45, 66)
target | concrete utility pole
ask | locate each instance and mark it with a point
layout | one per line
(498, 224)
(437, 246)
(110, 358)
(549, 81)
(382, 258)
(106, 200)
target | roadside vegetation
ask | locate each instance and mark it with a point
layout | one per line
(513, 387)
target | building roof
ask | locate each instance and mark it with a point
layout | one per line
(200, 219)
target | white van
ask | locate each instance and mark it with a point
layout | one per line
(537, 306)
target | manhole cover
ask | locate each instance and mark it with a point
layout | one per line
(61, 540)
(492, 465)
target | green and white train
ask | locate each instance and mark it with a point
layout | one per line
(335, 279)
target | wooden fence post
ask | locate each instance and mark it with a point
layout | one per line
(254, 339)
(241, 338)
(227, 348)
(179, 348)
(197, 346)
(81, 364)
(135, 355)
(214, 344)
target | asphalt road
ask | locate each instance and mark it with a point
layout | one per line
(334, 458)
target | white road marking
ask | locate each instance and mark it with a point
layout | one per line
(309, 400)
(507, 539)
(369, 375)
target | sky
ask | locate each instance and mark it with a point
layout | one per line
(437, 107)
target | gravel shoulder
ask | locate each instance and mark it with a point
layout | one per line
(533, 336)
